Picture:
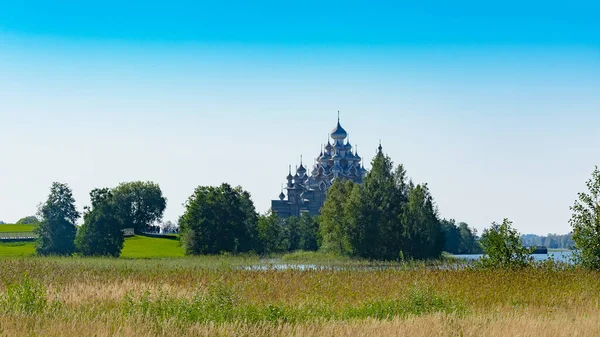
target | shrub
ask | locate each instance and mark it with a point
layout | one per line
(586, 224)
(504, 248)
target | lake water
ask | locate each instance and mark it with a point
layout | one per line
(562, 256)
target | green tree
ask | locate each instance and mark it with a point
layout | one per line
(452, 236)
(101, 233)
(333, 227)
(468, 240)
(56, 232)
(422, 231)
(139, 204)
(586, 224)
(271, 234)
(380, 224)
(309, 232)
(219, 219)
(503, 247)
(292, 230)
(28, 220)
(387, 218)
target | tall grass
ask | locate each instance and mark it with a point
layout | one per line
(214, 295)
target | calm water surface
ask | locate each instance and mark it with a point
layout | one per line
(562, 256)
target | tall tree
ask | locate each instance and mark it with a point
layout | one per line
(101, 233)
(56, 232)
(271, 233)
(422, 232)
(387, 218)
(333, 227)
(309, 232)
(292, 225)
(452, 237)
(586, 223)
(218, 219)
(139, 204)
(468, 239)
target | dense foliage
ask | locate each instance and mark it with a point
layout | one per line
(504, 248)
(586, 223)
(28, 220)
(100, 234)
(387, 218)
(460, 239)
(139, 204)
(303, 233)
(272, 235)
(218, 219)
(56, 232)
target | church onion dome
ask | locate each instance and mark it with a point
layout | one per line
(289, 177)
(357, 157)
(338, 132)
(328, 147)
(325, 156)
(301, 170)
(281, 196)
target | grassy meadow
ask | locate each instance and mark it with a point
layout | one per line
(153, 290)
(216, 296)
(16, 228)
(134, 247)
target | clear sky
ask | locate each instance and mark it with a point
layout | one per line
(495, 106)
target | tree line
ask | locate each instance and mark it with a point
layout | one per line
(556, 241)
(388, 217)
(130, 205)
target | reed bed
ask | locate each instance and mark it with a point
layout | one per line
(219, 296)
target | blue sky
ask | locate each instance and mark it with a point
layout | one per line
(497, 108)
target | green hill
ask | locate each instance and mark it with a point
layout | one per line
(16, 228)
(135, 247)
(148, 247)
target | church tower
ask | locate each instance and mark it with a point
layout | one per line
(305, 191)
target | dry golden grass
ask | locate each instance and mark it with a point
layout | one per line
(501, 325)
(201, 297)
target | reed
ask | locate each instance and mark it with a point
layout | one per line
(216, 295)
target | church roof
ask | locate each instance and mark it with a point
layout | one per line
(338, 132)
(328, 147)
(301, 170)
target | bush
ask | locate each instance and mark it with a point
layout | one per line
(586, 224)
(28, 220)
(504, 248)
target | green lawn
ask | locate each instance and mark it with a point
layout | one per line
(17, 248)
(135, 247)
(16, 228)
(147, 247)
